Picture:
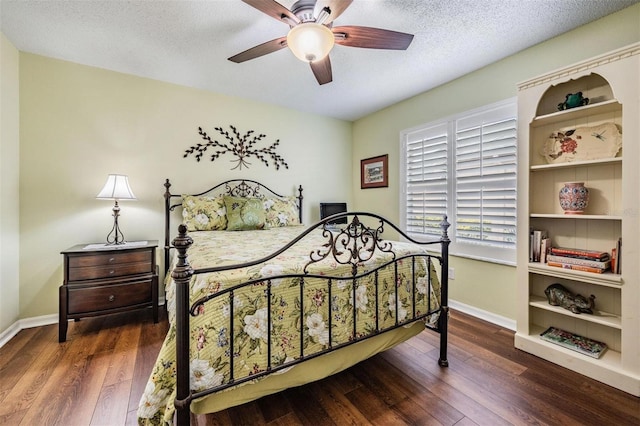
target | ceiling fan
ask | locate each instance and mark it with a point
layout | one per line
(312, 36)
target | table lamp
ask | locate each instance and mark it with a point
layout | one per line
(116, 188)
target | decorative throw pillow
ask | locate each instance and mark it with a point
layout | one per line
(244, 214)
(204, 213)
(281, 211)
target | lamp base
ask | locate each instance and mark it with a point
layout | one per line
(115, 237)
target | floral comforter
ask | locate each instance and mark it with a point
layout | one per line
(210, 330)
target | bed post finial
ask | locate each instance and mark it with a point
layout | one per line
(444, 225)
(182, 243)
(181, 274)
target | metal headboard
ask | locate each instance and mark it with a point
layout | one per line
(236, 187)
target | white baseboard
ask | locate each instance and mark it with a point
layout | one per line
(484, 315)
(22, 324)
(25, 323)
(8, 334)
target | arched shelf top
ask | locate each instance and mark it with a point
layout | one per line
(593, 87)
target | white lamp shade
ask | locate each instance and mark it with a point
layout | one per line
(310, 42)
(116, 188)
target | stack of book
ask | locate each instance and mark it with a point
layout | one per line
(579, 260)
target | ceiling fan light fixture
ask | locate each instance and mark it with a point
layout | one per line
(310, 41)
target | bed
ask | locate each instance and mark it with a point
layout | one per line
(258, 303)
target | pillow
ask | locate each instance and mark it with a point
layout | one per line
(204, 213)
(244, 214)
(281, 211)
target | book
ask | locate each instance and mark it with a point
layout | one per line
(544, 249)
(575, 267)
(536, 244)
(603, 258)
(575, 342)
(614, 260)
(615, 257)
(579, 261)
(574, 252)
(618, 269)
(531, 245)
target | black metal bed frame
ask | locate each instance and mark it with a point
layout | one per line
(352, 245)
(235, 187)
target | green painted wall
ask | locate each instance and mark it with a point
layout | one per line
(9, 183)
(78, 124)
(485, 286)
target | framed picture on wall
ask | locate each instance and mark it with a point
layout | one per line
(374, 172)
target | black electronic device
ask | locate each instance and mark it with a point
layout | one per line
(329, 209)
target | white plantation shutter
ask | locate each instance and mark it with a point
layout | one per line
(465, 167)
(485, 166)
(426, 180)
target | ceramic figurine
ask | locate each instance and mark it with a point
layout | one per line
(573, 100)
(557, 295)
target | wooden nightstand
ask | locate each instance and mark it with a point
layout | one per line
(107, 280)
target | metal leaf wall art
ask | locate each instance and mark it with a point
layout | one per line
(242, 146)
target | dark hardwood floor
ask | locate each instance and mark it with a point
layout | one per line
(98, 375)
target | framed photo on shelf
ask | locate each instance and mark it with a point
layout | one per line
(374, 172)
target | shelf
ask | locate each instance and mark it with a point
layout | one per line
(572, 164)
(606, 279)
(611, 359)
(573, 113)
(607, 369)
(575, 216)
(598, 317)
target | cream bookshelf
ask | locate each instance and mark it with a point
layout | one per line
(612, 85)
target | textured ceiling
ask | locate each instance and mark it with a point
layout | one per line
(188, 43)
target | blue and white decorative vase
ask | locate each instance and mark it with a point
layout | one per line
(574, 197)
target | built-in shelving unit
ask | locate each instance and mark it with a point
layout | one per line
(611, 83)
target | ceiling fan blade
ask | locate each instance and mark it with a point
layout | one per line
(273, 9)
(322, 70)
(260, 50)
(371, 38)
(335, 6)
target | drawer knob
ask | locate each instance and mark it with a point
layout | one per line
(112, 298)
(111, 259)
(111, 272)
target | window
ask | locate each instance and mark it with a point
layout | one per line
(464, 166)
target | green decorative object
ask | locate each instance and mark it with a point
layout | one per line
(242, 146)
(573, 100)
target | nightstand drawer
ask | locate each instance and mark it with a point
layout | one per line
(91, 299)
(107, 271)
(111, 258)
(101, 280)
